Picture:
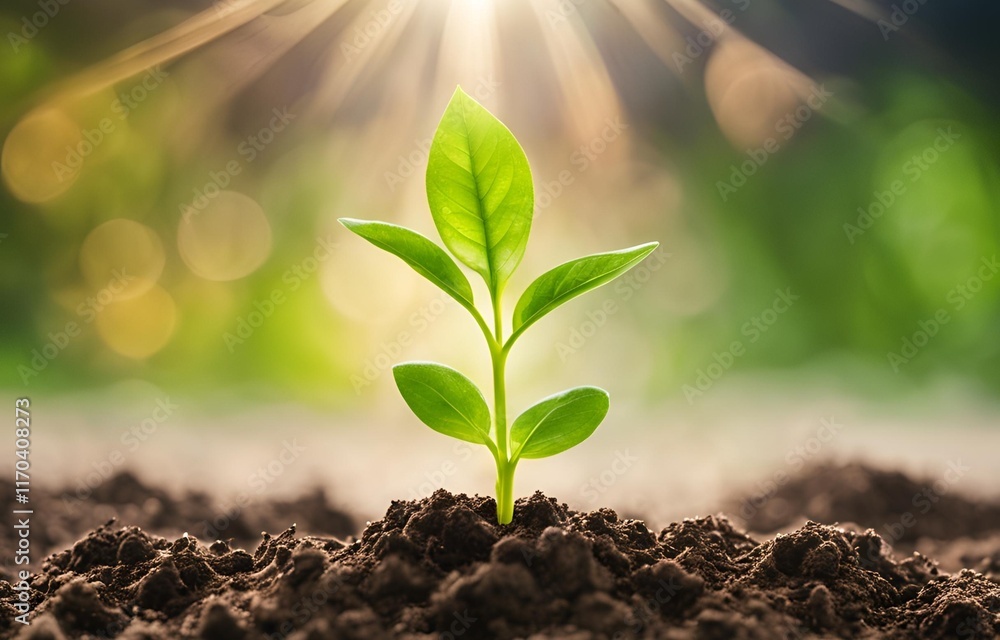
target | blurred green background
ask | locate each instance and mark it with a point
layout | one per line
(836, 155)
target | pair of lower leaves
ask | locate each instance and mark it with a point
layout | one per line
(448, 402)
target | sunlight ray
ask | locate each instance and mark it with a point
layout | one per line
(468, 50)
(200, 29)
(588, 95)
(661, 37)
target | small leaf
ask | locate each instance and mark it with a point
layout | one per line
(559, 422)
(444, 400)
(480, 191)
(569, 280)
(426, 258)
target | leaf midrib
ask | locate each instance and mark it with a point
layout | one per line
(555, 302)
(548, 414)
(468, 420)
(479, 197)
(427, 273)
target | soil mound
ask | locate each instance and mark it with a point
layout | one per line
(64, 516)
(441, 567)
(899, 507)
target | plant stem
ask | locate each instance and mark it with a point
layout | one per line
(499, 384)
(505, 491)
(500, 403)
(505, 470)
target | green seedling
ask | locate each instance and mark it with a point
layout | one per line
(481, 198)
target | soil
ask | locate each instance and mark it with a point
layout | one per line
(873, 498)
(928, 515)
(441, 568)
(65, 515)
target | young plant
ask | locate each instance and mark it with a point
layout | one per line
(481, 198)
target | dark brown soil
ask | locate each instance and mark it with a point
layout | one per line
(869, 497)
(927, 515)
(442, 568)
(65, 515)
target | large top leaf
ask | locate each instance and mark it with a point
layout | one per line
(559, 422)
(569, 280)
(479, 190)
(445, 400)
(426, 258)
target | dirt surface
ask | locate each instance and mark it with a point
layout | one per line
(929, 515)
(871, 498)
(66, 515)
(442, 568)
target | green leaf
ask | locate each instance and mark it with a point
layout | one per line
(569, 280)
(426, 258)
(480, 191)
(444, 400)
(559, 422)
